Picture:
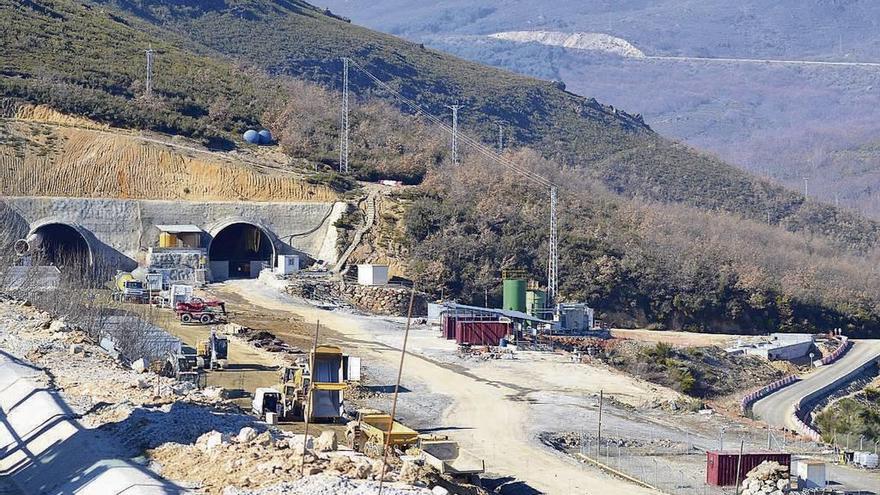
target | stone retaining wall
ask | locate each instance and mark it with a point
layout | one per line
(385, 300)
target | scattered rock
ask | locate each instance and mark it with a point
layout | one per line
(246, 435)
(139, 366)
(326, 442)
(76, 349)
(211, 440)
(58, 326)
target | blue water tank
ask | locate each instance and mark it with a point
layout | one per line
(251, 136)
(265, 137)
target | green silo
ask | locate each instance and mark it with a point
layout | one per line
(536, 300)
(514, 294)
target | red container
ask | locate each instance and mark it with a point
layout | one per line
(448, 328)
(480, 332)
(721, 466)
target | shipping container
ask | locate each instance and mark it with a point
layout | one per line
(447, 330)
(481, 332)
(721, 466)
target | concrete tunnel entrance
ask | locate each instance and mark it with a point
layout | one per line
(56, 244)
(239, 250)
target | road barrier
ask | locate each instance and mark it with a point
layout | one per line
(759, 394)
(802, 426)
(838, 353)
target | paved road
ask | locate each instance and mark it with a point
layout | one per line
(776, 409)
(763, 61)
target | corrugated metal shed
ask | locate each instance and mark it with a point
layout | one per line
(476, 310)
(180, 229)
(481, 332)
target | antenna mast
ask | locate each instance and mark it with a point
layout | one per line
(500, 137)
(343, 137)
(553, 261)
(149, 72)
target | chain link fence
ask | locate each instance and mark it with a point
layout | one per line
(678, 465)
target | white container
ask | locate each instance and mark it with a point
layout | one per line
(810, 474)
(372, 274)
(287, 264)
(271, 418)
(859, 458)
(871, 461)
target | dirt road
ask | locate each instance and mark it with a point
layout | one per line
(483, 415)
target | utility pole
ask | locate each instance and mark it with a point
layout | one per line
(454, 132)
(599, 431)
(149, 92)
(553, 261)
(500, 137)
(343, 136)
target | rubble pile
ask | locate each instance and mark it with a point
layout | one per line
(769, 478)
(332, 485)
(267, 341)
(249, 459)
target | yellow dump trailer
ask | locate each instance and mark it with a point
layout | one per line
(373, 429)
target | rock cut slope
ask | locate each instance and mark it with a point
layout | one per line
(45, 153)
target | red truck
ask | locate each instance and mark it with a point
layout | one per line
(197, 310)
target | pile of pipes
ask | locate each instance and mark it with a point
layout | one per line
(768, 478)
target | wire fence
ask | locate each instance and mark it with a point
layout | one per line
(676, 464)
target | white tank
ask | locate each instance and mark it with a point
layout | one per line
(870, 460)
(858, 458)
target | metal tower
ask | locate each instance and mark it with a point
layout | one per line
(343, 136)
(553, 261)
(454, 132)
(149, 72)
(500, 137)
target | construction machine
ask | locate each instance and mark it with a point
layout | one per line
(374, 429)
(128, 289)
(213, 353)
(197, 310)
(182, 366)
(310, 389)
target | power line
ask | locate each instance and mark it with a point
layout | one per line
(553, 261)
(343, 136)
(477, 145)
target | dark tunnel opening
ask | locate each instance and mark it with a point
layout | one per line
(61, 245)
(239, 250)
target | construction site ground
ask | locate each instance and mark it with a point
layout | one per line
(193, 438)
(502, 409)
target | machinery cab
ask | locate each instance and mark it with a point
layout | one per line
(266, 400)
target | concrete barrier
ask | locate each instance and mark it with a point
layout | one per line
(764, 391)
(44, 449)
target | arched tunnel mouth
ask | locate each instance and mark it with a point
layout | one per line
(243, 248)
(63, 246)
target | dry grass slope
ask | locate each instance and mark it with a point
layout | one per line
(45, 153)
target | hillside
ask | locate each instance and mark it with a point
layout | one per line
(775, 120)
(296, 39)
(653, 232)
